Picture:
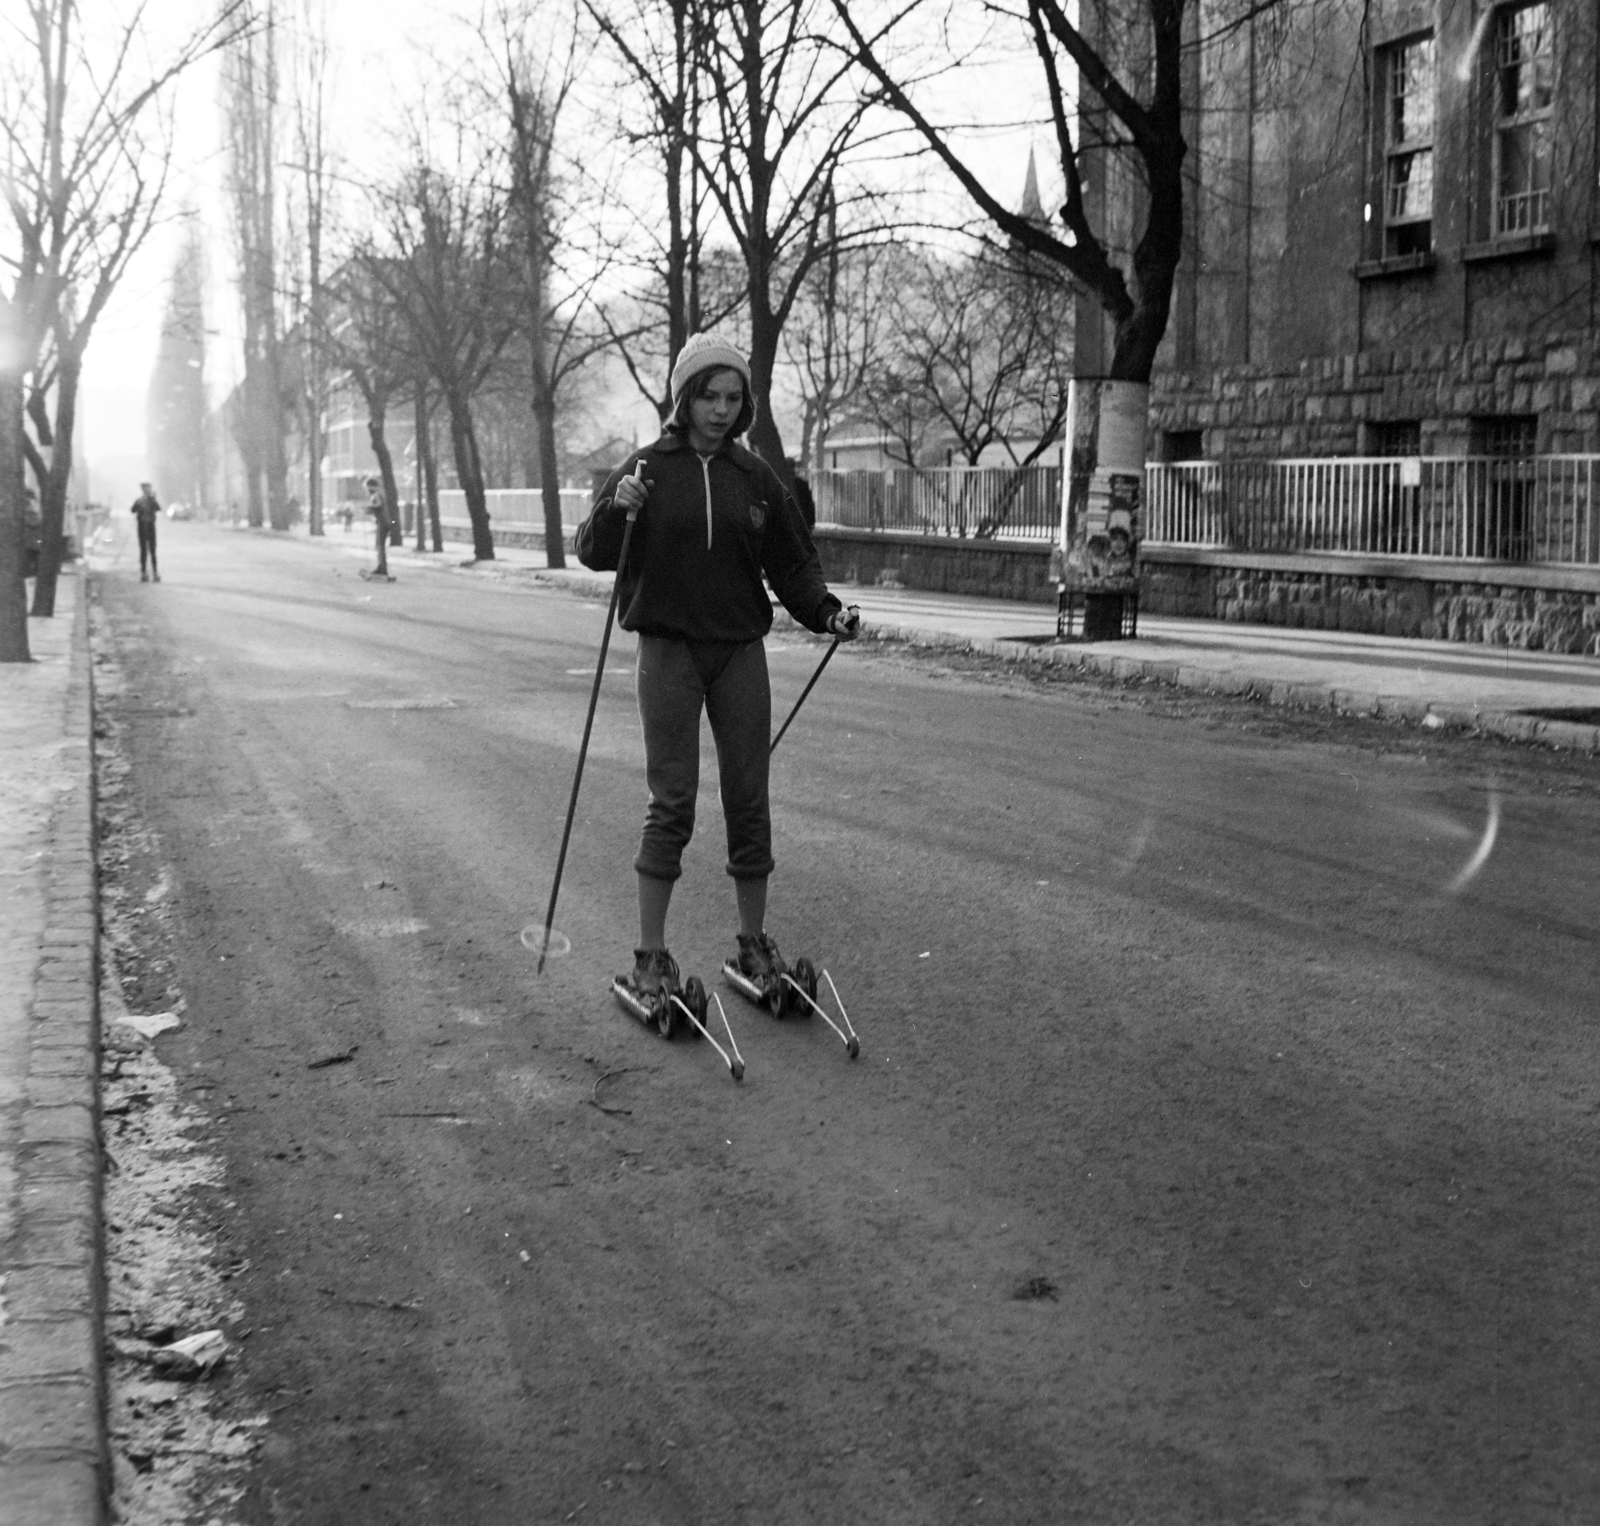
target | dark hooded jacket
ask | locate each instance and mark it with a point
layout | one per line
(706, 535)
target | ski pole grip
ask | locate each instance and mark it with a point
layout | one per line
(638, 476)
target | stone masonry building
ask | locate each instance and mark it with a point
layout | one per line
(1392, 250)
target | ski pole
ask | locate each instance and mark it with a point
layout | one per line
(583, 746)
(805, 691)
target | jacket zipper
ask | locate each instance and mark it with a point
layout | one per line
(705, 469)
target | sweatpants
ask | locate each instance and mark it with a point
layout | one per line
(728, 681)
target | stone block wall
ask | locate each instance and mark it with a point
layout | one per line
(1534, 619)
(1318, 407)
(988, 569)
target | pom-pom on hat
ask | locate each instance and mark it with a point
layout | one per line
(706, 352)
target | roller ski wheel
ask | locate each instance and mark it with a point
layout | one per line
(696, 1000)
(804, 975)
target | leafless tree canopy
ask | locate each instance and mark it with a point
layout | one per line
(85, 155)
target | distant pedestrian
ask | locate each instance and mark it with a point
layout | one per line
(346, 515)
(378, 508)
(146, 511)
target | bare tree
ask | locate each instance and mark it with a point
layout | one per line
(836, 335)
(175, 406)
(982, 342)
(251, 116)
(314, 172)
(444, 263)
(662, 43)
(85, 152)
(1128, 57)
(365, 339)
(561, 321)
(779, 119)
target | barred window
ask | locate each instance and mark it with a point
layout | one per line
(1408, 147)
(1524, 86)
(1397, 437)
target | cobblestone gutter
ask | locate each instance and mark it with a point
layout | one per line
(52, 1402)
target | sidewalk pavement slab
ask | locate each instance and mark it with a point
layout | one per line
(53, 1448)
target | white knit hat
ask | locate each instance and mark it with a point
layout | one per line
(706, 352)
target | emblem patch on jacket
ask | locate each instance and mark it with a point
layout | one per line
(758, 515)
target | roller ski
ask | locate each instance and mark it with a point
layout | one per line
(759, 973)
(651, 992)
(376, 576)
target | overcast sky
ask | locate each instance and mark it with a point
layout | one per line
(385, 54)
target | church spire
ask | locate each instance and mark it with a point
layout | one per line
(1032, 207)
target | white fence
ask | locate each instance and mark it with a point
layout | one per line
(1535, 509)
(976, 501)
(516, 508)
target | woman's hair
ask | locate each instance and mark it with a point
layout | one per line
(678, 420)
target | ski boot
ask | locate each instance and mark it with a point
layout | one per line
(652, 993)
(759, 974)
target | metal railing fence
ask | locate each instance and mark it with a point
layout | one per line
(974, 502)
(1540, 509)
(516, 508)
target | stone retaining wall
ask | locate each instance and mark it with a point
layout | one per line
(1494, 614)
(989, 569)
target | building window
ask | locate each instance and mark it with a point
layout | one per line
(1524, 98)
(1408, 148)
(1185, 444)
(1397, 437)
(1507, 435)
(1500, 495)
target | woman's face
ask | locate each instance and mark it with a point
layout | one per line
(714, 408)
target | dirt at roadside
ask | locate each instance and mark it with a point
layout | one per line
(177, 1454)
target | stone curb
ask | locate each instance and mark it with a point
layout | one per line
(1563, 735)
(54, 1462)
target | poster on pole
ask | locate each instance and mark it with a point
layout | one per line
(1102, 512)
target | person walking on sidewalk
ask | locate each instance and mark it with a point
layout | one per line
(713, 518)
(146, 511)
(378, 508)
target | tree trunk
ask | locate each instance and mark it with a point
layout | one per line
(428, 474)
(544, 423)
(53, 497)
(377, 414)
(469, 472)
(13, 587)
(275, 453)
(315, 449)
(765, 438)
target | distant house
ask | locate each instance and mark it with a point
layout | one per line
(591, 469)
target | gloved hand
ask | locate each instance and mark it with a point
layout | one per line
(845, 623)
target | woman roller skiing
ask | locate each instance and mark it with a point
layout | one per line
(712, 519)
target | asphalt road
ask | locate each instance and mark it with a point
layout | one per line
(1221, 1149)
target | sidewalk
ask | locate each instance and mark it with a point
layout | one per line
(52, 1417)
(1524, 696)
